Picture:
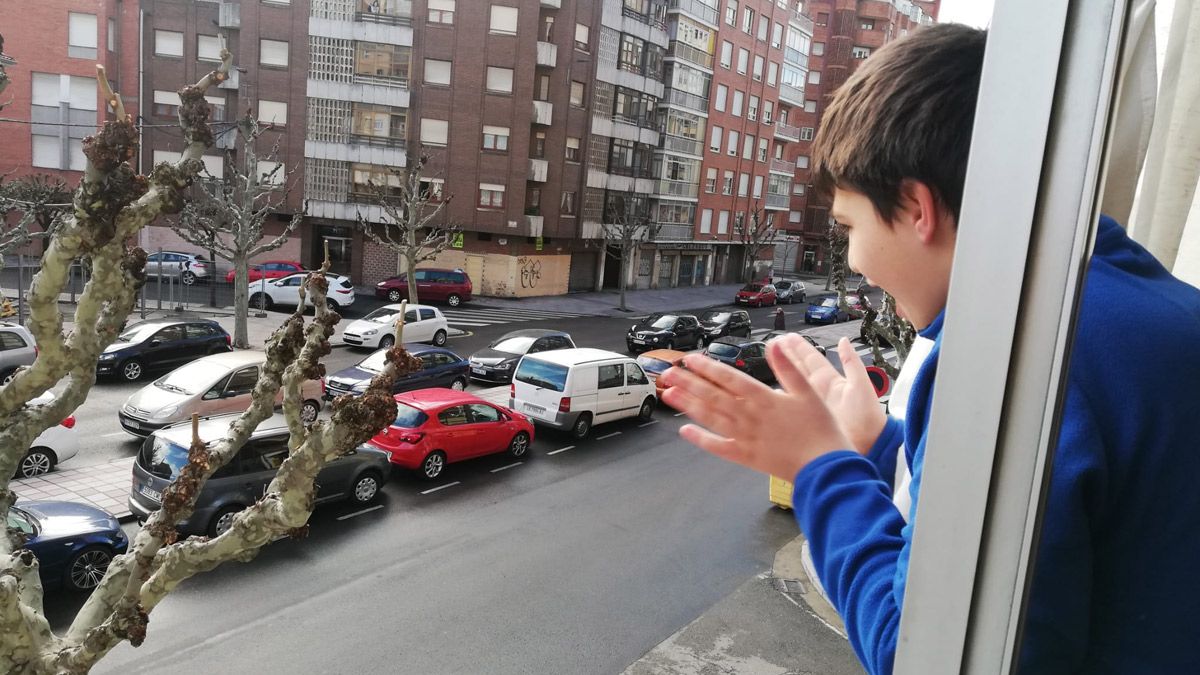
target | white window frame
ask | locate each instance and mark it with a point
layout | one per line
(706, 216)
(503, 20)
(208, 48)
(490, 191)
(714, 138)
(441, 12)
(168, 43)
(721, 97)
(269, 53)
(739, 100)
(273, 112)
(496, 138)
(434, 131)
(499, 80)
(440, 71)
(723, 222)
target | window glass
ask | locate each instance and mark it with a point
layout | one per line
(169, 334)
(612, 376)
(10, 340)
(409, 417)
(635, 374)
(722, 349)
(453, 416)
(242, 382)
(482, 413)
(426, 314)
(198, 330)
(542, 374)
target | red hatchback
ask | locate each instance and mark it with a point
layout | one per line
(270, 269)
(756, 294)
(452, 287)
(435, 427)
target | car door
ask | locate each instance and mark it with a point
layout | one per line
(742, 325)
(418, 379)
(233, 393)
(423, 285)
(415, 330)
(639, 385)
(199, 339)
(756, 361)
(449, 368)
(262, 462)
(458, 439)
(611, 392)
(286, 291)
(164, 348)
(693, 331)
(491, 429)
(429, 322)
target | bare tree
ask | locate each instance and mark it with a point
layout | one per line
(754, 231)
(625, 226)
(408, 228)
(47, 198)
(112, 204)
(227, 218)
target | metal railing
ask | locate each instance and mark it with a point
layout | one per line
(783, 166)
(684, 145)
(687, 100)
(386, 141)
(690, 54)
(674, 232)
(677, 188)
(651, 21)
(777, 201)
(699, 10)
(787, 131)
(795, 56)
(386, 80)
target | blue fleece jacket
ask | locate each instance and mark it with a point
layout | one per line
(1116, 586)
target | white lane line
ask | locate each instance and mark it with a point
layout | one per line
(678, 414)
(507, 467)
(114, 434)
(359, 513)
(555, 452)
(615, 433)
(473, 324)
(646, 424)
(441, 487)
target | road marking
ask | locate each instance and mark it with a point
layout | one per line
(615, 433)
(555, 452)
(114, 434)
(507, 467)
(441, 487)
(678, 414)
(359, 513)
(646, 424)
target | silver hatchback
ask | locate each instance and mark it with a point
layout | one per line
(16, 349)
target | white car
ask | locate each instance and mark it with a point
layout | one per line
(286, 291)
(189, 267)
(376, 330)
(56, 444)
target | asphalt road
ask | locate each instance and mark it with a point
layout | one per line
(573, 561)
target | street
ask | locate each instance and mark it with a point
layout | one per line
(578, 559)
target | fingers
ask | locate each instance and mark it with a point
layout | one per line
(725, 448)
(796, 356)
(707, 404)
(852, 366)
(719, 375)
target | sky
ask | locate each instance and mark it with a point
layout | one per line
(971, 12)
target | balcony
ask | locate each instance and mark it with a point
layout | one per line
(398, 14)
(552, 4)
(534, 225)
(777, 202)
(786, 132)
(699, 10)
(782, 166)
(685, 145)
(229, 15)
(803, 22)
(543, 112)
(547, 54)
(690, 101)
(539, 169)
(791, 94)
(677, 188)
(690, 54)
(674, 232)
(796, 57)
(652, 21)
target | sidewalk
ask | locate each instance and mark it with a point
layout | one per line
(105, 486)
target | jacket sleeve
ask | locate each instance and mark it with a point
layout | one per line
(845, 509)
(885, 450)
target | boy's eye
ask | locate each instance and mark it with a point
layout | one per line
(840, 229)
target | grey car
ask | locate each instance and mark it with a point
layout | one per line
(16, 349)
(240, 483)
(790, 290)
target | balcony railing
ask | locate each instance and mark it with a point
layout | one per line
(685, 145)
(554, 4)
(778, 201)
(386, 80)
(543, 112)
(783, 166)
(640, 121)
(795, 56)
(786, 132)
(653, 22)
(539, 170)
(398, 13)
(791, 94)
(805, 23)
(699, 10)
(690, 101)
(547, 54)
(678, 188)
(690, 54)
(674, 232)
(387, 141)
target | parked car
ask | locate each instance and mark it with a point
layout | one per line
(756, 295)
(377, 330)
(656, 361)
(666, 331)
(827, 312)
(357, 477)
(213, 385)
(436, 427)
(807, 338)
(790, 290)
(745, 354)
(286, 291)
(855, 303)
(54, 445)
(573, 389)
(452, 287)
(188, 267)
(270, 269)
(720, 322)
(161, 344)
(440, 368)
(497, 361)
(74, 543)
(17, 348)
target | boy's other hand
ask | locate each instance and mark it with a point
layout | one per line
(745, 421)
(849, 396)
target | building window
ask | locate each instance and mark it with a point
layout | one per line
(726, 55)
(818, 49)
(381, 122)
(208, 48)
(743, 61)
(743, 185)
(822, 19)
(748, 21)
(82, 35)
(491, 196)
(710, 181)
(860, 52)
(731, 145)
(538, 151)
(752, 109)
(368, 180)
(748, 146)
(630, 56)
(434, 132)
(768, 111)
(495, 138)
(738, 98)
(727, 183)
(772, 73)
(499, 80)
(764, 25)
(706, 221)
(814, 77)
(636, 108)
(437, 72)
(802, 162)
(534, 199)
(567, 204)
(714, 141)
(166, 103)
(866, 24)
(582, 37)
(762, 149)
(273, 53)
(723, 222)
(111, 34)
(388, 62)
(731, 9)
(273, 112)
(441, 11)
(722, 94)
(806, 133)
(572, 154)
(431, 188)
(777, 36)
(758, 184)
(798, 189)
(577, 94)
(504, 20)
(168, 43)
(758, 68)
(542, 92)
(270, 173)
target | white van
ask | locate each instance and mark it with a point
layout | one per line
(576, 388)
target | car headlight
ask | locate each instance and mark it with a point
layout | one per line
(654, 339)
(381, 284)
(371, 332)
(169, 411)
(503, 366)
(633, 328)
(108, 356)
(361, 386)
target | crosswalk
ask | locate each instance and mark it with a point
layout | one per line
(863, 350)
(478, 316)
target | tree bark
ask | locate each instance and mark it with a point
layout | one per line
(241, 302)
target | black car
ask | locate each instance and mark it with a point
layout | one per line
(745, 354)
(439, 368)
(74, 543)
(162, 344)
(780, 333)
(496, 363)
(721, 322)
(665, 331)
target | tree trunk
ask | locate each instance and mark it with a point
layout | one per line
(624, 273)
(241, 303)
(410, 258)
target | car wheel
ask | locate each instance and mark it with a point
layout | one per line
(188, 278)
(223, 520)
(434, 464)
(519, 444)
(309, 411)
(132, 370)
(647, 410)
(454, 300)
(670, 344)
(366, 488)
(387, 341)
(582, 426)
(8, 376)
(332, 305)
(459, 384)
(439, 338)
(87, 567)
(394, 295)
(261, 300)
(35, 463)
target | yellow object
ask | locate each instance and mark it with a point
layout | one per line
(6, 309)
(781, 493)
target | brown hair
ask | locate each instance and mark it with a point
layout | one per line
(906, 113)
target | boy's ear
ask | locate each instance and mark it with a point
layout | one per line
(919, 208)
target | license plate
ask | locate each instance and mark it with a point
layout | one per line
(742, 300)
(638, 341)
(132, 425)
(535, 408)
(479, 371)
(152, 494)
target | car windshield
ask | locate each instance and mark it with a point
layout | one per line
(188, 379)
(722, 349)
(162, 458)
(853, 300)
(752, 288)
(829, 302)
(652, 365)
(518, 344)
(409, 417)
(660, 320)
(783, 285)
(19, 520)
(542, 374)
(713, 316)
(383, 315)
(375, 362)
(138, 333)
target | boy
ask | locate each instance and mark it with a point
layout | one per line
(1117, 582)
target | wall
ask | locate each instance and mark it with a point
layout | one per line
(153, 238)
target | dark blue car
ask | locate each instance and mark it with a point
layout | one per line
(74, 543)
(162, 344)
(440, 368)
(826, 312)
